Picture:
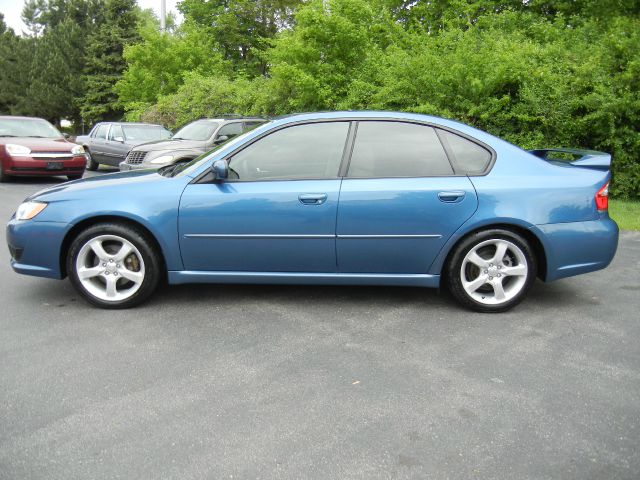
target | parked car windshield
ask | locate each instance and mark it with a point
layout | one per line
(199, 130)
(27, 127)
(145, 133)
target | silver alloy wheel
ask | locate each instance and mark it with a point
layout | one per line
(110, 268)
(494, 271)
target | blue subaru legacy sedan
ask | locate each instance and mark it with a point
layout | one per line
(367, 198)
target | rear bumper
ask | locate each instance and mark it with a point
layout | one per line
(35, 247)
(44, 167)
(578, 247)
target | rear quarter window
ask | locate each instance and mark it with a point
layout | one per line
(468, 158)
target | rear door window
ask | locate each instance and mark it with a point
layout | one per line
(230, 130)
(397, 149)
(102, 130)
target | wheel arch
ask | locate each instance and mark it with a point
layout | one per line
(534, 240)
(88, 222)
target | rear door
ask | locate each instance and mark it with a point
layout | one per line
(115, 148)
(400, 200)
(99, 142)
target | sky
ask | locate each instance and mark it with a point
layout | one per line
(12, 9)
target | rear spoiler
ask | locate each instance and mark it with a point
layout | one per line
(576, 157)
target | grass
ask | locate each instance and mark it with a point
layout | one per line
(626, 213)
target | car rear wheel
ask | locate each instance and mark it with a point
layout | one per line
(91, 163)
(113, 265)
(491, 271)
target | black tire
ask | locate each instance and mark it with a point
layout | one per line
(454, 270)
(145, 246)
(3, 176)
(74, 177)
(92, 165)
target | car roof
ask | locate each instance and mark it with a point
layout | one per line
(21, 117)
(132, 123)
(387, 115)
(229, 119)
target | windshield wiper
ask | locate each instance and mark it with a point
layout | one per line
(8, 135)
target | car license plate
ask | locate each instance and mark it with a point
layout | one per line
(54, 165)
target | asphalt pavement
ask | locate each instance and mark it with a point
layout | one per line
(306, 382)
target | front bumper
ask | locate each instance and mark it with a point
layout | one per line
(126, 167)
(45, 166)
(35, 247)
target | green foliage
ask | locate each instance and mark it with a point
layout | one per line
(53, 80)
(206, 96)
(12, 66)
(313, 64)
(538, 73)
(241, 27)
(626, 213)
(105, 62)
(157, 65)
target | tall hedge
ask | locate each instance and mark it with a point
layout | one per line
(538, 74)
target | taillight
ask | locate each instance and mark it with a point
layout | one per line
(602, 198)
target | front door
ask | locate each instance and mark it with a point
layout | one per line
(277, 211)
(400, 200)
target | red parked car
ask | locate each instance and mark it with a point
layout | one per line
(33, 147)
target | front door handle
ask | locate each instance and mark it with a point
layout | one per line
(451, 197)
(312, 198)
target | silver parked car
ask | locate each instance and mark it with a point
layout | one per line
(108, 143)
(189, 142)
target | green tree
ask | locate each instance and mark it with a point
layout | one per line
(54, 74)
(314, 63)
(13, 52)
(157, 65)
(105, 62)
(241, 27)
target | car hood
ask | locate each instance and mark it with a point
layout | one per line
(168, 145)
(125, 180)
(40, 144)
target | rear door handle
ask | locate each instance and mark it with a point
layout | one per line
(312, 198)
(451, 197)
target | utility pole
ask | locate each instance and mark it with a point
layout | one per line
(163, 15)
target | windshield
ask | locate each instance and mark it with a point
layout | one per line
(187, 168)
(145, 132)
(199, 130)
(27, 127)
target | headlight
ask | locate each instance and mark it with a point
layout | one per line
(17, 150)
(162, 159)
(77, 150)
(28, 210)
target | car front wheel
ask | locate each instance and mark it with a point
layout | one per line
(113, 265)
(491, 271)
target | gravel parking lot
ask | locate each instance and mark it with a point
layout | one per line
(320, 382)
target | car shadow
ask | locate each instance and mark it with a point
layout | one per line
(38, 180)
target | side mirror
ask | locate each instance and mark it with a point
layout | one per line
(66, 135)
(221, 139)
(220, 170)
(119, 139)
